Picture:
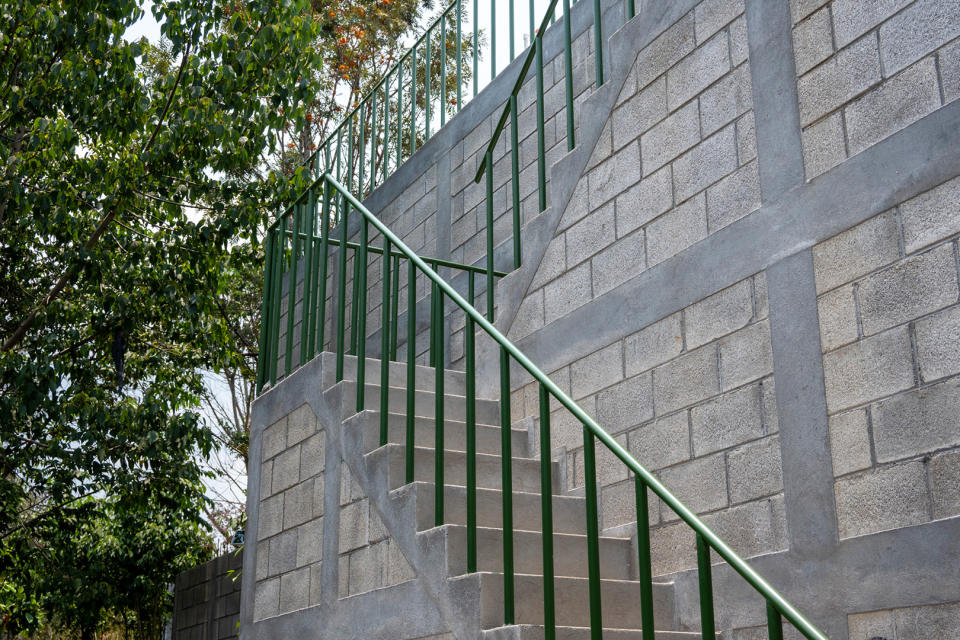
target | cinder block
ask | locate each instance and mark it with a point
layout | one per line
(398, 569)
(938, 344)
(610, 468)
(849, 442)
(283, 553)
(263, 560)
(302, 423)
(739, 42)
(597, 370)
(893, 105)
(367, 568)
(733, 197)
(856, 252)
(884, 498)
(295, 590)
(353, 526)
(853, 18)
(752, 528)
(661, 443)
(914, 287)
(727, 100)
(613, 176)
(554, 260)
(847, 74)
(312, 456)
(712, 15)
(566, 293)
(919, 29)
(266, 601)
(377, 530)
(626, 404)
(838, 318)
(529, 316)
(669, 47)
(274, 439)
(823, 145)
(316, 583)
(310, 542)
(932, 621)
(949, 58)
(676, 230)
(755, 470)
(639, 113)
(644, 201)
(670, 138)
(720, 314)
(746, 355)
(699, 70)
(318, 495)
(673, 548)
(270, 520)
(931, 216)
(727, 420)
(619, 262)
(700, 484)
(869, 369)
(746, 138)
(686, 380)
(918, 422)
(286, 469)
(565, 430)
(653, 345)
(618, 505)
(298, 504)
(945, 484)
(590, 235)
(800, 9)
(769, 392)
(705, 164)
(266, 479)
(875, 624)
(812, 41)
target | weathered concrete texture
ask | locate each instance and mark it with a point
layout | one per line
(206, 603)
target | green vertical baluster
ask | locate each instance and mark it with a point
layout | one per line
(399, 113)
(428, 77)
(459, 54)
(488, 159)
(493, 41)
(292, 288)
(433, 326)
(515, 180)
(443, 69)
(511, 35)
(339, 150)
(385, 343)
(631, 9)
(342, 287)
(593, 535)
(373, 141)
(386, 129)
(279, 243)
(309, 295)
(541, 153)
(469, 349)
(568, 73)
(411, 364)
(598, 41)
(644, 564)
(438, 408)
(262, 355)
(546, 512)
(706, 589)
(533, 29)
(361, 308)
(396, 307)
(349, 157)
(506, 486)
(413, 100)
(355, 291)
(324, 255)
(476, 48)
(362, 149)
(774, 622)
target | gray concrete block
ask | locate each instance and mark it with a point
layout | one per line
(755, 470)
(705, 164)
(286, 469)
(746, 355)
(727, 100)
(377, 530)
(945, 484)
(310, 542)
(298, 504)
(302, 422)
(852, 18)
(700, 484)
(270, 520)
(266, 477)
(712, 15)
(893, 105)
(932, 621)
(653, 345)
(626, 404)
(844, 76)
(590, 235)
(686, 380)
(739, 42)
(619, 262)
(283, 553)
(760, 300)
(312, 456)
(884, 498)
(597, 371)
(869, 369)
(274, 439)
(727, 420)
(670, 138)
(770, 420)
(552, 264)
(267, 599)
(752, 528)
(676, 230)
(661, 54)
(529, 317)
(610, 469)
(644, 201)
(614, 175)
(938, 344)
(567, 292)
(838, 318)
(673, 548)
(316, 583)
(263, 560)
(661, 443)
(918, 422)
(849, 442)
(800, 9)
(812, 41)
(824, 146)
(874, 624)
(318, 495)
(949, 58)
(720, 314)
(618, 505)
(746, 138)
(919, 29)
(397, 568)
(353, 526)
(700, 69)
(931, 216)
(913, 287)
(294, 590)
(636, 115)
(856, 252)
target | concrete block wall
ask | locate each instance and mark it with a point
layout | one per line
(206, 602)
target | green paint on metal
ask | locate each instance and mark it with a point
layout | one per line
(644, 565)
(593, 533)
(707, 625)
(546, 517)
(506, 488)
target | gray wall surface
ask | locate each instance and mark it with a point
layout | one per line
(207, 600)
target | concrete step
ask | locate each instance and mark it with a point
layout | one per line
(535, 632)
(454, 406)
(454, 381)
(526, 471)
(454, 433)
(569, 513)
(620, 602)
(569, 553)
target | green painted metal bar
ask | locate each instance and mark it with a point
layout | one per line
(342, 285)
(546, 517)
(413, 101)
(309, 294)
(669, 500)
(438, 409)
(541, 153)
(350, 155)
(644, 566)
(262, 354)
(476, 47)
(471, 411)
(385, 343)
(506, 488)
(631, 9)
(493, 40)
(324, 256)
(276, 302)
(386, 133)
(292, 292)
(774, 623)
(488, 159)
(568, 73)
(373, 143)
(707, 625)
(511, 35)
(443, 70)
(593, 534)
(433, 328)
(354, 307)
(533, 33)
(411, 363)
(399, 115)
(362, 149)
(515, 180)
(428, 76)
(361, 308)
(396, 307)
(459, 55)
(598, 41)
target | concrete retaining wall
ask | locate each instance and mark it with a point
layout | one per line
(207, 601)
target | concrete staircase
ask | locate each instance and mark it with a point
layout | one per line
(620, 591)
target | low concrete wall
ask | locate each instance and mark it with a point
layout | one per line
(207, 600)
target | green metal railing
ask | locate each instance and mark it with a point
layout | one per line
(777, 608)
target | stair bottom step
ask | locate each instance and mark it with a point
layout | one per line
(536, 632)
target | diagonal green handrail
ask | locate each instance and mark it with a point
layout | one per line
(777, 605)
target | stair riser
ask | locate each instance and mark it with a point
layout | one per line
(454, 435)
(526, 471)
(525, 632)
(454, 406)
(454, 381)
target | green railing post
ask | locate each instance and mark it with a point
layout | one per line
(437, 323)
(276, 300)
(263, 352)
(515, 180)
(774, 623)
(292, 289)
(593, 534)
(361, 308)
(354, 308)
(631, 9)
(488, 159)
(428, 76)
(541, 153)
(546, 511)
(459, 54)
(400, 113)
(506, 487)
(533, 32)
(476, 49)
(411, 366)
(413, 100)
(309, 295)
(342, 287)
(493, 41)
(644, 566)
(568, 73)
(385, 343)
(598, 41)
(396, 307)
(386, 130)
(324, 256)
(443, 69)
(512, 36)
(373, 142)
(471, 410)
(707, 625)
